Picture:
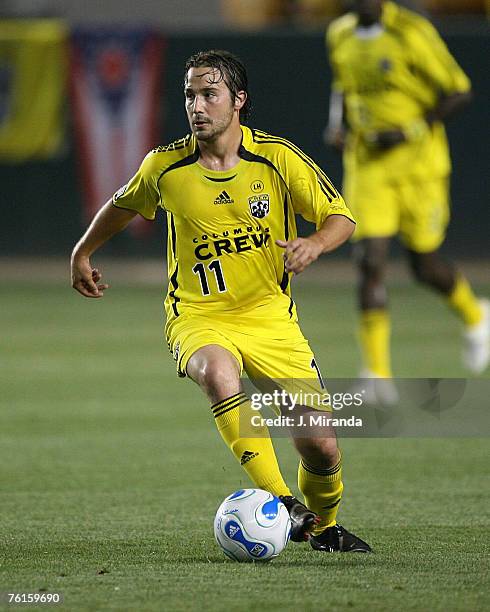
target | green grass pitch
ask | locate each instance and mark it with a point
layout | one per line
(112, 469)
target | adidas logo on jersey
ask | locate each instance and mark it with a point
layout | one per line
(224, 198)
(247, 456)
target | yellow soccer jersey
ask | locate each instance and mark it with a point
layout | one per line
(390, 79)
(222, 226)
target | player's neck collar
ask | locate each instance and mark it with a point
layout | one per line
(369, 32)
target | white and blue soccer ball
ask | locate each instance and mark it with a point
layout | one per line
(252, 525)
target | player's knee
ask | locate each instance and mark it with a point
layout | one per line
(370, 263)
(422, 270)
(319, 451)
(432, 270)
(218, 378)
(372, 290)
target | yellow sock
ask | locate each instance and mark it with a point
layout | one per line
(463, 301)
(375, 341)
(256, 455)
(322, 490)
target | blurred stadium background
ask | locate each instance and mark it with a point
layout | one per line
(69, 93)
(101, 446)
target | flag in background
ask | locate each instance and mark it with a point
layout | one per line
(115, 84)
(33, 75)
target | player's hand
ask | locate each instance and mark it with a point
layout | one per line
(334, 137)
(387, 139)
(85, 279)
(300, 253)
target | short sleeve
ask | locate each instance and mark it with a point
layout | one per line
(314, 197)
(141, 193)
(431, 58)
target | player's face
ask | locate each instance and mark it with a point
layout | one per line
(210, 109)
(369, 11)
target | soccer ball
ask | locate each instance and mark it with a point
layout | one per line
(252, 525)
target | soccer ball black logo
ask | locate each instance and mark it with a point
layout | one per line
(259, 208)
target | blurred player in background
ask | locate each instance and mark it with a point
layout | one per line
(231, 194)
(394, 83)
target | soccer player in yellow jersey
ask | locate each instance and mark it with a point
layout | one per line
(231, 194)
(394, 82)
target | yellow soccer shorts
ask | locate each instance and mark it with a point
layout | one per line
(417, 210)
(285, 357)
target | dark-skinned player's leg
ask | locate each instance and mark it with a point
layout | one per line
(371, 256)
(432, 270)
(374, 330)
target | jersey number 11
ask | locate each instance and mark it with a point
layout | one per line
(215, 267)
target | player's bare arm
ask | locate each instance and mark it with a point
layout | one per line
(106, 223)
(448, 105)
(301, 252)
(334, 132)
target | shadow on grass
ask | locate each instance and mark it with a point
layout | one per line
(307, 559)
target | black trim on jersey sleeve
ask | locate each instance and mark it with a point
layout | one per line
(342, 215)
(181, 143)
(325, 184)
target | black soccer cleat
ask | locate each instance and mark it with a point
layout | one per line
(338, 539)
(302, 519)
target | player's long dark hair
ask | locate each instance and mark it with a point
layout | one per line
(230, 69)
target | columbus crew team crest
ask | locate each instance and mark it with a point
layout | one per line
(259, 205)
